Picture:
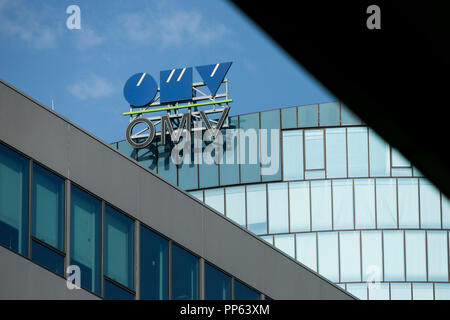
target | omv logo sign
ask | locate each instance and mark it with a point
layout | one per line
(175, 85)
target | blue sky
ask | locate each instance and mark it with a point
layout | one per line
(84, 70)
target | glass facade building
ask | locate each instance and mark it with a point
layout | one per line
(342, 202)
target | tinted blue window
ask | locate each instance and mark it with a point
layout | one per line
(293, 155)
(208, 166)
(154, 266)
(329, 114)
(14, 200)
(126, 149)
(270, 146)
(114, 292)
(308, 116)
(47, 258)
(188, 172)
(249, 148)
(217, 284)
(48, 207)
(148, 156)
(119, 239)
(229, 167)
(184, 274)
(86, 237)
(166, 167)
(289, 118)
(242, 292)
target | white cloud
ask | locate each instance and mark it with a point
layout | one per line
(94, 87)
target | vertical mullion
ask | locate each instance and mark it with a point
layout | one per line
(68, 223)
(137, 259)
(170, 270)
(30, 205)
(102, 293)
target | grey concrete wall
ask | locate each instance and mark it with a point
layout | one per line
(64, 147)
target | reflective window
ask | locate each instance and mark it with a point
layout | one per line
(119, 243)
(154, 265)
(166, 167)
(394, 267)
(184, 274)
(208, 172)
(300, 214)
(398, 160)
(422, 291)
(314, 153)
(126, 149)
(197, 194)
(217, 284)
(278, 208)
(401, 172)
(408, 203)
(307, 249)
(430, 205)
(114, 292)
(445, 212)
(308, 116)
(364, 204)
(379, 291)
(321, 205)
(256, 209)
(148, 156)
(214, 198)
(372, 256)
(336, 153)
(86, 237)
(242, 292)
(188, 171)
(329, 114)
(359, 290)
(268, 239)
(289, 118)
(358, 158)
(285, 243)
(47, 257)
(235, 201)
(14, 174)
(442, 291)
(379, 156)
(437, 256)
(229, 166)
(48, 207)
(270, 149)
(350, 259)
(343, 204)
(386, 203)
(293, 155)
(400, 291)
(328, 255)
(348, 117)
(316, 174)
(415, 256)
(249, 148)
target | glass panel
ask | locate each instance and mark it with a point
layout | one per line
(197, 194)
(358, 158)
(214, 198)
(314, 175)
(285, 243)
(400, 291)
(208, 172)
(349, 244)
(188, 172)
(379, 291)
(300, 214)
(329, 114)
(348, 117)
(398, 160)
(401, 172)
(229, 166)
(386, 203)
(289, 118)
(293, 155)
(307, 249)
(321, 205)
(430, 205)
(217, 284)
(328, 255)
(270, 120)
(308, 116)
(47, 258)
(154, 266)
(394, 267)
(278, 208)
(372, 256)
(126, 149)
(416, 172)
(256, 209)
(437, 256)
(235, 201)
(14, 174)
(184, 274)
(336, 153)
(314, 149)
(242, 292)
(113, 292)
(86, 237)
(48, 207)
(422, 291)
(249, 148)
(343, 204)
(364, 204)
(166, 167)
(379, 156)
(148, 156)
(119, 240)
(268, 239)
(416, 268)
(359, 290)
(442, 291)
(445, 212)
(408, 203)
